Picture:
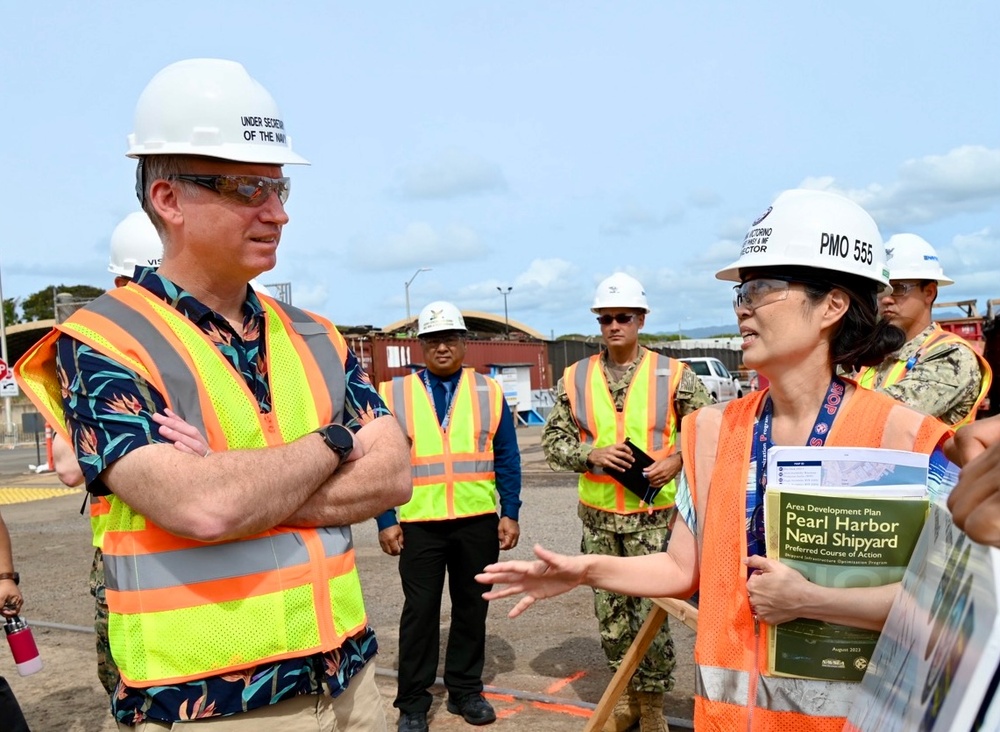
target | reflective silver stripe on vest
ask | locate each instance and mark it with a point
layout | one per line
(661, 383)
(398, 387)
(323, 352)
(581, 381)
(177, 380)
(774, 693)
(481, 391)
(460, 467)
(217, 561)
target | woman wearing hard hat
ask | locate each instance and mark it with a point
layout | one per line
(809, 273)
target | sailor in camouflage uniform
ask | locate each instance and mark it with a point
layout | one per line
(584, 433)
(935, 371)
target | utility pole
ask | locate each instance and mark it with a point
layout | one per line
(506, 320)
(8, 421)
(407, 288)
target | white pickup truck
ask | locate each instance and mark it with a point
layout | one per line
(721, 384)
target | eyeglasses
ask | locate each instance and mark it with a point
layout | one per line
(753, 294)
(763, 291)
(248, 190)
(620, 318)
(434, 343)
(902, 289)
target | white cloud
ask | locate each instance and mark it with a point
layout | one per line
(963, 180)
(310, 296)
(970, 254)
(421, 245)
(454, 173)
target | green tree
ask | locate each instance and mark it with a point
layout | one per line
(39, 305)
(10, 316)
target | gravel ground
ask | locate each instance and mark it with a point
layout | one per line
(551, 651)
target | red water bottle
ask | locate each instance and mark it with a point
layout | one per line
(22, 645)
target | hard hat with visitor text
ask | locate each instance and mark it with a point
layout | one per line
(817, 229)
(911, 258)
(620, 291)
(439, 316)
(134, 242)
(210, 107)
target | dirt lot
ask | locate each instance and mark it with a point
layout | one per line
(552, 651)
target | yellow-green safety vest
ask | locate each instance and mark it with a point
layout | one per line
(939, 336)
(452, 467)
(182, 609)
(648, 419)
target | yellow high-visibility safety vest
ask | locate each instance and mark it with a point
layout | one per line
(181, 609)
(452, 467)
(939, 336)
(648, 419)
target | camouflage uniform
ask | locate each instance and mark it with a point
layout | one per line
(944, 383)
(107, 671)
(604, 532)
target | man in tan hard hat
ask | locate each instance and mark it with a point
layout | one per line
(935, 371)
(231, 579)
(615, 390)
(464, 454)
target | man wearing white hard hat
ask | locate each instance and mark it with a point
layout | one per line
(626, 391)
(134, 244)
(231, 582)
(463, 448)
(935, 371)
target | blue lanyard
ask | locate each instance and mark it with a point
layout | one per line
(449, 392)
(821, 428)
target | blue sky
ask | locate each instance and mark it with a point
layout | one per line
(533, 145)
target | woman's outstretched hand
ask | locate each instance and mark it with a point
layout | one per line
(550, 575)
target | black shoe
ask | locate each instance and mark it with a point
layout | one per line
(412, 722)
(474, 709)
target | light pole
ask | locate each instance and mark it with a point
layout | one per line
(506, 320)
(407, 288)
(8, 422)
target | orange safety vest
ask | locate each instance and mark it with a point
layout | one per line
(182, 609)
(939, 337)
(732, 688)
(648, 419)
(452, 468)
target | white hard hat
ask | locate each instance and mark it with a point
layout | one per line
(439, 316)
(815, 229)
(134, 242)
(620, 291)
(912, 258)
(210, 107)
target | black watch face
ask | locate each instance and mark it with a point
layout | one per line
(339, 438)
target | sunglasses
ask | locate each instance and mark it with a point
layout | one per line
(620, 318)
(247, 190)
(435, 343)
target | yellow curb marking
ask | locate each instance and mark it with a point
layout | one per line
(23, 495)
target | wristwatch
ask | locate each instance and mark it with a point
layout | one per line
(11, 576)
(338, 438)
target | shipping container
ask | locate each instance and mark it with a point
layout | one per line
(384, 357)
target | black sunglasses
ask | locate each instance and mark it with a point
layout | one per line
(248, 190)
(622, 318)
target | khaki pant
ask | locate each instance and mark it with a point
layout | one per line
(359, 708)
